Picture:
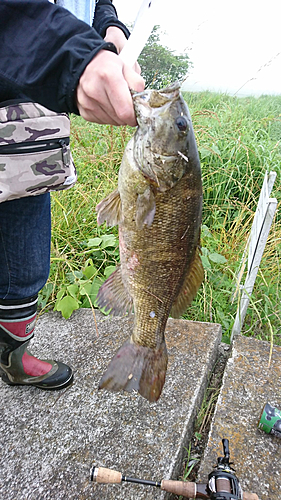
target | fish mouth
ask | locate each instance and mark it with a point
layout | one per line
(157, 98)
(170, 89)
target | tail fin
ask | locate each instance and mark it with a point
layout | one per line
(135, 367)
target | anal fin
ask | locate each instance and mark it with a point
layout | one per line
(109, 209)
(191, 284)
(112, 295)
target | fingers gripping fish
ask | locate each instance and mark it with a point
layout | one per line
(158, 207)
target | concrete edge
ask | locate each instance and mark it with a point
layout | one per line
(175, 467)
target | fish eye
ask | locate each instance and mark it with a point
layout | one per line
(181, 123)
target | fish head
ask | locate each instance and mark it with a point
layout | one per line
(164, 135)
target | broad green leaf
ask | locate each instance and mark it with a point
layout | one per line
(108, 240)
(89, 262)
(78, 274)
(67, 305)
(90, 271)
(94, 242)
(223, 319)
(71, 277)
(73, 290)
(45, 294)
(61, 293)
(48, 288)
(114, 252)
(206, 262)
(109, 270)
(204, 153)
(85, 303)
(206, 231)
(95, 288)
(85, 289)
(216, 149)
(205, 251)
(217, 258)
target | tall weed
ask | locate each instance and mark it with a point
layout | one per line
(238, 141)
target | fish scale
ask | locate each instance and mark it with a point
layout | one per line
(157, 295)
(158, 207)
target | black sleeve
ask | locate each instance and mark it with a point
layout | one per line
(105, 16)
(44, 49)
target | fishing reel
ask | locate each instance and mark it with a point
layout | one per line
(222, 482)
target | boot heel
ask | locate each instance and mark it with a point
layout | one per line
(5, 378)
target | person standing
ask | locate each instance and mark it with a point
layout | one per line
(49, 56)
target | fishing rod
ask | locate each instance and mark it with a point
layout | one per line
(222, 482)
(147, 18)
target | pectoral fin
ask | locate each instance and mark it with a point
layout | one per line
(190, 287)
(145, 208)
(109, 209)
(112, 295)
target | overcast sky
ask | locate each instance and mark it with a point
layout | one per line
(231, 44)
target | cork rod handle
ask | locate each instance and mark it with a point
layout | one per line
(179, 488)
(106, 476)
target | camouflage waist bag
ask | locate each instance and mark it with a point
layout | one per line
(35, 154)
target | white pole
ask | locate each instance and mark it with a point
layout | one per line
(256, 244)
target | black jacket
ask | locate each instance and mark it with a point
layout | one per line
(44, 49)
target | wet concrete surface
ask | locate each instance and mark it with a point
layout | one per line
(50, 440)
(251, 379)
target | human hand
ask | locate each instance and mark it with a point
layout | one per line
(103, 94)
(115, 35)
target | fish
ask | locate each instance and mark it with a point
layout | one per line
(158, 208)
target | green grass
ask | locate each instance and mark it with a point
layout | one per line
(239, 139)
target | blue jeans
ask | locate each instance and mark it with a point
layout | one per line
(25, 237)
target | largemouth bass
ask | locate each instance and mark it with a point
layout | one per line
(158, 207)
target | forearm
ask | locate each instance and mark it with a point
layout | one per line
(47, 55)
(43, 52)
(105, 16)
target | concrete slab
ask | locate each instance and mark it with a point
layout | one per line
(49, 440)
(248, 384)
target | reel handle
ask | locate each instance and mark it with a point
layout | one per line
(225, 444)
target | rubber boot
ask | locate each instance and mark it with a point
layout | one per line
(17, 365)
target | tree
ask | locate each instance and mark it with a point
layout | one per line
(160, 66)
